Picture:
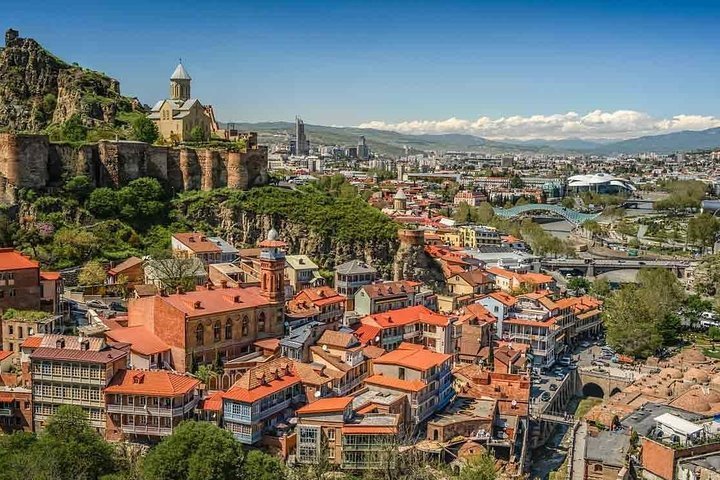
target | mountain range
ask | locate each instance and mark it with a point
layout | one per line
(394, 143)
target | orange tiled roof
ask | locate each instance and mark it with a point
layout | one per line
(333, 338)
(4, 354)
(395, 383)
(531, 323)
(50, 276)
(326, 405)
(504, 298)
(475, 277)
(390, 289)
(213, 402)
(32, 342)
(268, 343)
(415, 358)
(372, 351)
(141, 340)
(406, 316)
(367, 333)
(368, 430)
(263, 380)
(11, 259)
(217, 300)
(151, 382)
(127, 264)
(476, 311)
(197, 242)
(319, 296)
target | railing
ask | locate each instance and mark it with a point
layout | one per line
(5, 412)
(146, 429)
(68, 379)
(150, 410)
(341, 390)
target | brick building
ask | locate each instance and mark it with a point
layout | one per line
(24, 287)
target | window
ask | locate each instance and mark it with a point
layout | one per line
(597, 467)
(401, 373)
(10, 329)
(20, 332)
(261, 322)
(228, 329)
(13, 292)
(199, 334)
(245, 325)
(216, 331)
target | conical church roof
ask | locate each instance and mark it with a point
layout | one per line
(180, 73)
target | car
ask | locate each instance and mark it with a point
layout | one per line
(96, 304)
(560, 376)
(553, 387)
(599, 363)
(565, 362)
(545, 396)
(584, 344)
(641, 263)
(573, 366)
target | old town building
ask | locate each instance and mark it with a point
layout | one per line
(147, 404)
(386, 296)
(24, 287)
(416, 324)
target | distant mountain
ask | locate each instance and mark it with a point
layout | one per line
(394, 143)
(667, 143)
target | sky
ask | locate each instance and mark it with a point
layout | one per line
(506, 69)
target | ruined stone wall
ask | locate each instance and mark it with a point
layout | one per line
(32, 161)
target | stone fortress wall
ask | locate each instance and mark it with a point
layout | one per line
(32, 161)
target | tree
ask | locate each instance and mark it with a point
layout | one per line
(142, 202)
(601, 287)
(568, 202)
(79, 187)
(714, 334)
(703, 230)
(485, 212)
(463, 213)
(516, 182)
(259, 465)
(145, 130)
(92, 274)
(197, 134)
(195, 451)
(73, 129)
(70, 448)
(175, 272)
(479, 467)
(103, 203)
(578, 283)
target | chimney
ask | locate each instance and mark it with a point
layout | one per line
(179, 290)
(197, 305)
(85, 345)
(223, 283)
(237, 299)
(60, 343)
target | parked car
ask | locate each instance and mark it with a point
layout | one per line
(96, 304)
(584, 344)
(565, 361)
(545, 396)
(553, 387)
(560, 376)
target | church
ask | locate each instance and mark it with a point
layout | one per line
(176, 116)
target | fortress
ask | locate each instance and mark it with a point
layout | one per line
(32, 161)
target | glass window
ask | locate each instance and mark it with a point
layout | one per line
(216, 331)
(228, 329)
(245, 325)
(199, 334)
(261, 322)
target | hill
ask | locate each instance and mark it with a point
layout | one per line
(667, 143)
(37, 90)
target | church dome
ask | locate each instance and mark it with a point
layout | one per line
(671, 373)
(695, 375)
(400, 195)
(180, 73)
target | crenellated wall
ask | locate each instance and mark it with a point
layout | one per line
(31, 161)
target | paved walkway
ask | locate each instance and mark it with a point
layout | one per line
(579, 453)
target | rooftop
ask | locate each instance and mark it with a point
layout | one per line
(608, 447)
(11, 259)
(406, 316)
(197, 242)
(354, 267)
(141, 340)
(151, 382)
(415, 358)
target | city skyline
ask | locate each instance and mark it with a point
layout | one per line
(520, 70)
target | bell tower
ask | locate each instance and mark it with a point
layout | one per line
(272, 267)
(180, 84)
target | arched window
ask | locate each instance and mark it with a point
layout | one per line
(261, 322)
(199, 334)
(228, 329)
(245, 325)
(597, 467)
(216, 331)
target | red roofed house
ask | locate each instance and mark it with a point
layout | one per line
(423, 375)
(509, 281)
(329, 430)
(148, 404)
(211, 323)
(69, 370)
(147, 351)
(415, 324)
(385, 296)
(131, 271)
(23, 286)
(197, 245)
(475, 330)
(16, 412)
(263, 397)
(344, 360)
(326, 304)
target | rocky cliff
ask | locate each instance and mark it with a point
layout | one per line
(37, 89)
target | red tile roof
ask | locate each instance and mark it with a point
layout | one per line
(217, 300)
(263, 380)
(11, 259)
(32, 342)
(4, 354)
(126, 265)
(503, 298)
(50, 276)
(326, 405)
(476, 313)
(213, 402)
(407, 316)
(319, 296)
(390, 289)
(368, 430)
(197, 242)
(367, 333)
(159, 383)
(141, 340)
(415, 358)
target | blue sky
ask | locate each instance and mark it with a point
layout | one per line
(408, 66)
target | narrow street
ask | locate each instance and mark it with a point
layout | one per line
(579, 452)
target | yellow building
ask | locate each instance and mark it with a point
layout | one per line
(176, 116)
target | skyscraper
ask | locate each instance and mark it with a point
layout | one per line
(363, 152)
(301, 144)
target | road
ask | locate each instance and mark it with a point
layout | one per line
(578, 460)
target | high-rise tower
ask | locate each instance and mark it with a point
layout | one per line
(302, 144)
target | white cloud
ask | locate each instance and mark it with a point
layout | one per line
(597, 124)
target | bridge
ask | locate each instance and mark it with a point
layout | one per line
(604, 384)
(562, 419)
(596, 266)
(572, 216)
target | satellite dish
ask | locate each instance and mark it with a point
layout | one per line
(324, 347)
(317, 393)
(377, 339)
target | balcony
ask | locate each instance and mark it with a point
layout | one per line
(68, 379)
(151, 410)
(6, 412)
(146, 430)
(341, 390)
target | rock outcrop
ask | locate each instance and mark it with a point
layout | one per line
(37, 89)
